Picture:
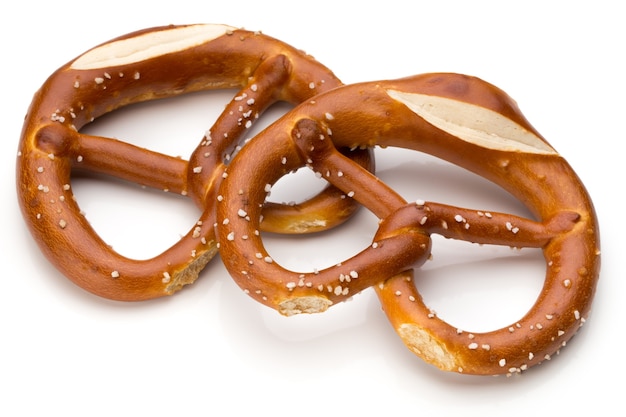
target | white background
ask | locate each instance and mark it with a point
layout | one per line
(211, 349)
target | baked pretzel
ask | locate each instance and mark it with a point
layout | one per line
(147, 65)
(460, 119)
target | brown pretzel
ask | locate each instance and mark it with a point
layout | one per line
(460, 119)
(146, 65)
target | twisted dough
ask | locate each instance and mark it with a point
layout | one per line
(147, 65)
(458, 118)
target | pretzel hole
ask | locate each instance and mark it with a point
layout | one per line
(136, 222)
(480, 288)
(312, 252)
(416, 175)
(306, 252)
(172, 126)
(472, 287)
(141, 222)
(296, 187)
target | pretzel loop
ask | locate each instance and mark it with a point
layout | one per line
(141, 66)
(457, 118)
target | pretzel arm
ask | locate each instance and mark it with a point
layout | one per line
(219, 143)
(129, 162)
(496, 228)
(317, 149)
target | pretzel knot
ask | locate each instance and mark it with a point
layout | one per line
(460, 119)
(147, 65)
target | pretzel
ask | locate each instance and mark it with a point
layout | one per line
(460, 119)
(148, 65)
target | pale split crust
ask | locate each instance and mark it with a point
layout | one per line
(472, 123)
(149, 45)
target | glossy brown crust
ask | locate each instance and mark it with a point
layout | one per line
(368, 114)
(263, 69)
